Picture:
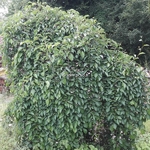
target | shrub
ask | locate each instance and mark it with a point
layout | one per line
(72, 86)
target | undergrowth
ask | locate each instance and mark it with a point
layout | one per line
(7, 135)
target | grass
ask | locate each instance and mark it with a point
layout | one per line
(7, 142)
(7, 138)
(143, 140)
(147, 126)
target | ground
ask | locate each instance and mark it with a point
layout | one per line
(7, 142)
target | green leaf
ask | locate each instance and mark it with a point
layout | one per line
(96, 65)
(71, 57)
(132, 103)
(92, 147)
(47, 84)
(146, 45)
(47, 102)
(64, 81)
(141, 53)
(82, 54)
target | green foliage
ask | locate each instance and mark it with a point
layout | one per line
(72, 86)
(16, 5)
(126, 22)
(134, 20)
(7, 138)
(3, 3)
(143, 142)
(143, 137)
(147, 126)
(85, 147)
